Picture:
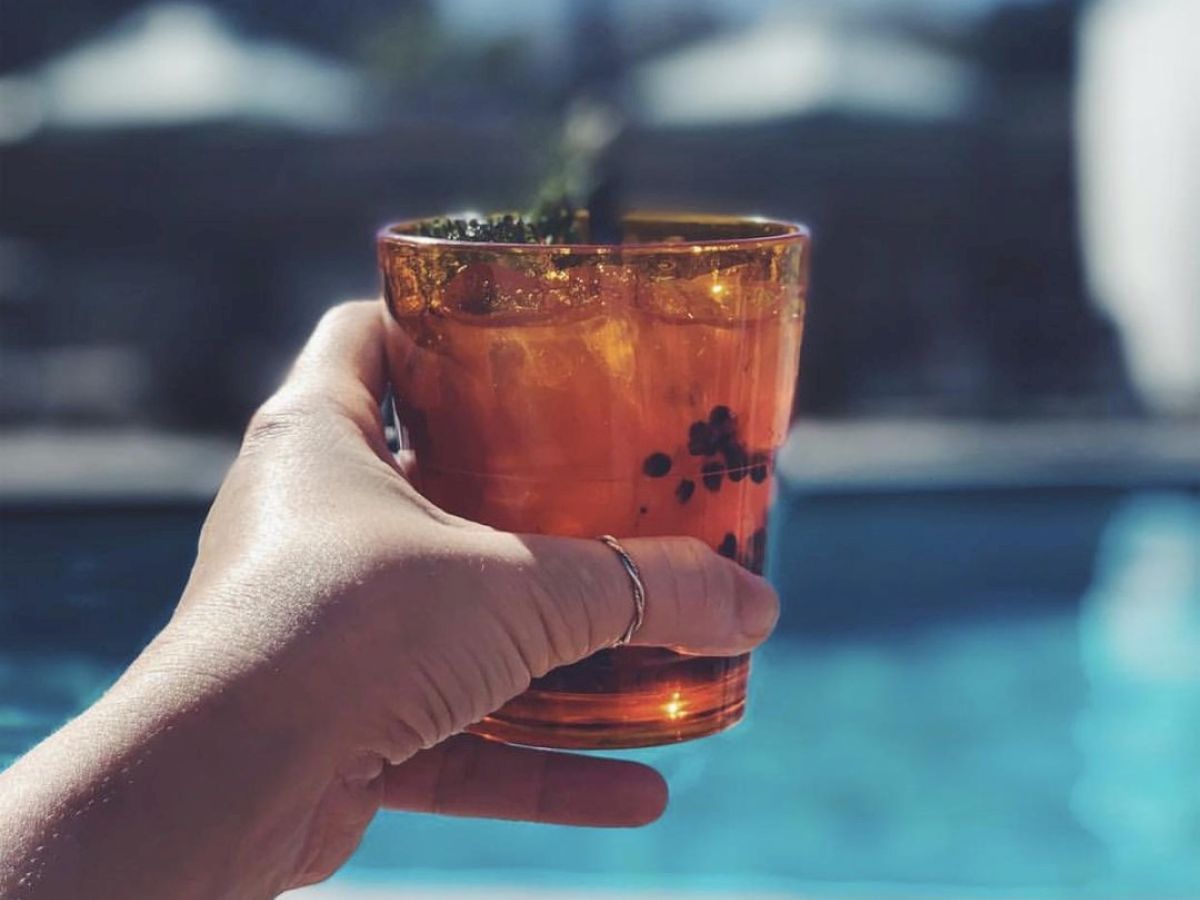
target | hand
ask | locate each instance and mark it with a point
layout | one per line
(347, 630)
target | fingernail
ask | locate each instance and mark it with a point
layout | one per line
(758, 606)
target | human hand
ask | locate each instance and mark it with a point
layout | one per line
(354, 629)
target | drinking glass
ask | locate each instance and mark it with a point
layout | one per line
(632, 389)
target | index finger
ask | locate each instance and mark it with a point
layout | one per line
(696, 601)
(345, 354)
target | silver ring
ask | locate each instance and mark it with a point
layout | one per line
(639, 589)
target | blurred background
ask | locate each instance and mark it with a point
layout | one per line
(989, 513)
(186, 185)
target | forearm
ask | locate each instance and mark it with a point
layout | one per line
(169, 786)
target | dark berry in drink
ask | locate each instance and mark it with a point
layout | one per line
(710, 474)
(656, 465)
(728, 546)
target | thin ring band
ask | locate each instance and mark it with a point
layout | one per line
(639, 589)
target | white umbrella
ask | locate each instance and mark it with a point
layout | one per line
(787, 69)
(175, 63)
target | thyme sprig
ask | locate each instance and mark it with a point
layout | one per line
(549, 224)
(582, 174)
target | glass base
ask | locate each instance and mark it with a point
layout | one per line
(661, 698)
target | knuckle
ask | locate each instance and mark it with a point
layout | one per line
(284, 416)
(276, 418)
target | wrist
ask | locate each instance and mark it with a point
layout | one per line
(175, 784)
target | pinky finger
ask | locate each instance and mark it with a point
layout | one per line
(470, 776)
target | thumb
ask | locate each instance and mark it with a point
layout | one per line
(696, 600)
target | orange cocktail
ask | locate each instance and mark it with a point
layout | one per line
(633, 389)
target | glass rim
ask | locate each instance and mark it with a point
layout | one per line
(788, 232)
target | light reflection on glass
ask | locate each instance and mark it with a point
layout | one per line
(675, 708)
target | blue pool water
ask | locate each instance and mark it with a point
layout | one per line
(987, 690)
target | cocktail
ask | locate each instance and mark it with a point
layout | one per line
(632, 389)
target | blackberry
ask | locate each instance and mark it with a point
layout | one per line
(684, 491)
(701, 440)
(656, 465)
(759, 465)
(757, 551)
(710, 474)
(720, 418)
(735, 460)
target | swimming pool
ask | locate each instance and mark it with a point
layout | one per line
(987, 691)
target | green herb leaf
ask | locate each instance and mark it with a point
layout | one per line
(550, 223)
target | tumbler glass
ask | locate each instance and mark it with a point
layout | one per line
(632, 389)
